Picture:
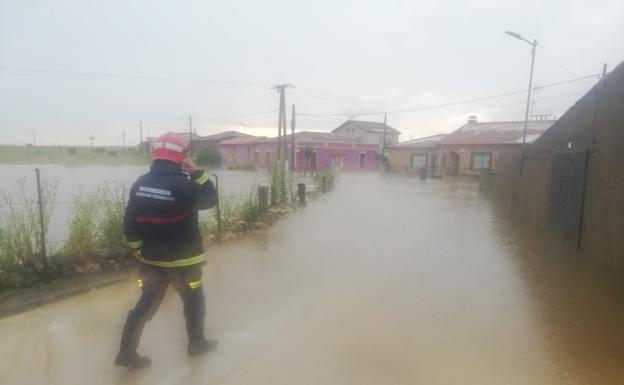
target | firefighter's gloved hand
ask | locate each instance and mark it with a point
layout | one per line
(188, 165)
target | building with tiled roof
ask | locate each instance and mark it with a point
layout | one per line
(412, 155)
(475, 146)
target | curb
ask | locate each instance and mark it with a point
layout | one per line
(63, 293)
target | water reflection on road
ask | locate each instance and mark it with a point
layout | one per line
(384, 281)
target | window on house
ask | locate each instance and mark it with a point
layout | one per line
(481, 161)
(419, 160)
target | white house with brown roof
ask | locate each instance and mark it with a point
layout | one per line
(475, 145)
(368, 132)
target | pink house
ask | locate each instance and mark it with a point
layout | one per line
(238, 151)
(325, 151)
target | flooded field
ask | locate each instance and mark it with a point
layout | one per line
(383, 281)
(72, 181)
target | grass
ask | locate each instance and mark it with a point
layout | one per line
(233, 211)
(20, 240)
(112, 206)
(82, 241)
(71, 156)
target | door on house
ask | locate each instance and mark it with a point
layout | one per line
(453, 168)
(312, 161)
(435, 172)
(337, 161)
(567, 192)
(363, 160)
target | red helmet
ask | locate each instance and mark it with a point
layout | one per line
(169, 147)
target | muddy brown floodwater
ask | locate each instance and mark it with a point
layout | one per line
(384, 281)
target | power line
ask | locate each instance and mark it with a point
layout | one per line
(557, 62)
(467, 101)
(98, 75)
(237, 116)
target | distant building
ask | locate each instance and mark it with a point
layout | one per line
(412, 155)
(238, 151)
(367, 132)
(475, 145)
(212, 141)
(314, 151)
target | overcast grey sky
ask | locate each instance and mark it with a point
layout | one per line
(175, 58)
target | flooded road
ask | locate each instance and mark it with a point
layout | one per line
(383, 281)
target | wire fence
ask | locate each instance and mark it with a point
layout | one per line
(36, 209)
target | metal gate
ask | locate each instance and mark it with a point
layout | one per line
(567, 190)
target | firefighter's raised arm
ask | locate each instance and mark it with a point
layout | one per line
(203, 191)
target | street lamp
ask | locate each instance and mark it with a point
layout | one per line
(533, 45)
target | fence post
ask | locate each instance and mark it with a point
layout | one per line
(44, 257)
(263, 198)
(301, 191)
(218, 205)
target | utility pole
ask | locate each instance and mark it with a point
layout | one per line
(291, 162)
(141, 136)
(34, 143)
(533, 45)
(528, 106)
(123, 139)
(281, 126)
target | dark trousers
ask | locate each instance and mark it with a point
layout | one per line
(154, 281)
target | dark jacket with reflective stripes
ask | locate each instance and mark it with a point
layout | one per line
(162, 215)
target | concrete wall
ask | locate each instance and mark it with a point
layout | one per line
(595, 124)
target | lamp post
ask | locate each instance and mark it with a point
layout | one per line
(533, 45)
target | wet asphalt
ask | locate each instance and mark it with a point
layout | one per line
(386, 280)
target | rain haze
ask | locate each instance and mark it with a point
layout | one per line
(74, 69)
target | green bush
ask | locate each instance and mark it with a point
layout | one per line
(250, 210)
(209, 156)
(112, 205)
(82, 240)
(242, 167)
(21, 239)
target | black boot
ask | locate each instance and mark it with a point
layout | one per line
(199, 347)
(194, 311)
(128, 356)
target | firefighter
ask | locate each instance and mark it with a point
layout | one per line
(161, 227)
